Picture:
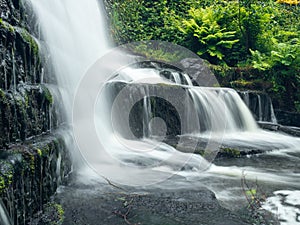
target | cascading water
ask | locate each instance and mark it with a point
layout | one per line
(73, 40)
(75, 36)
(212, 104)
(4, 216)
(261, 106)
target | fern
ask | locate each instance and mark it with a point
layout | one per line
(212, 38)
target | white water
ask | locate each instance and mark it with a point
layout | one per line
(285, 204)
(75, 35)
(222, 110)
(264, 114)
(4, 216)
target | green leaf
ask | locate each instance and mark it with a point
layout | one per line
(251, 192)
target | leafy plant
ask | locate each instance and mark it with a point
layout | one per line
(211, 38)
(282, 66)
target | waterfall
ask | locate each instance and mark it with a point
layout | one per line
(222, 110)
(74, 33)
(4, 216)
(260, 105)
(74, 36)
(259, 108)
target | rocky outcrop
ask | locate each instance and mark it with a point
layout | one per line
(164, 101)
(29, 174)
(260, 105)
(24, 102)
(24, 113)
(288, 118)
(32, 162)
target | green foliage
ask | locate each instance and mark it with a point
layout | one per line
(256, 35)
(138, 20)
(282, 66)
(251, 192)
(157, 51)
(285, 55)
(211, 39)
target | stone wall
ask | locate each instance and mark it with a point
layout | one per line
(32, 161)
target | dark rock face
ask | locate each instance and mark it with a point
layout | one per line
(30, 174)
(200, 72)
(288, 118)
(32, 163)
(24, 113)
(164, 101)
(24, 103)
(260, 105)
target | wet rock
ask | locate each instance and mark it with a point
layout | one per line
(200, 72)
(260, 105)
(19, 59)
(166, 102)
(24, 113)
(89, 205)
(32, 164)
(53, 213)
(30, 174)
(288, 118)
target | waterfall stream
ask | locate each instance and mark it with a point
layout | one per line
(75, 35)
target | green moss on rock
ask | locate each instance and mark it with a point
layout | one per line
(256, 84)
(30, 40)
(47, 94)
(6, 175)
(230, 152)
(7, 26)
(32, 167)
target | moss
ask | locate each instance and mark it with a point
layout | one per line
(32, 162)
(6, 175)
(60, 211)
(26, 98)
(241, 83)
(256, 84)
(231, 152)
(28, 160)
(47, 94)
(39, 152)
(200, 151)
(30, 40)
(2, 93)
(43, 151)
(55, 214)
(2, 184)
(221, 71)
(7, 26)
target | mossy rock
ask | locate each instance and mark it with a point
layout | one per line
(29, 174)
(53, 214)
(7, 26)
(29, 40)
(229, 152)
(251, 84)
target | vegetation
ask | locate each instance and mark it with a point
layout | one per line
(254, 40)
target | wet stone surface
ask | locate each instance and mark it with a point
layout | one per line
(104, 204)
